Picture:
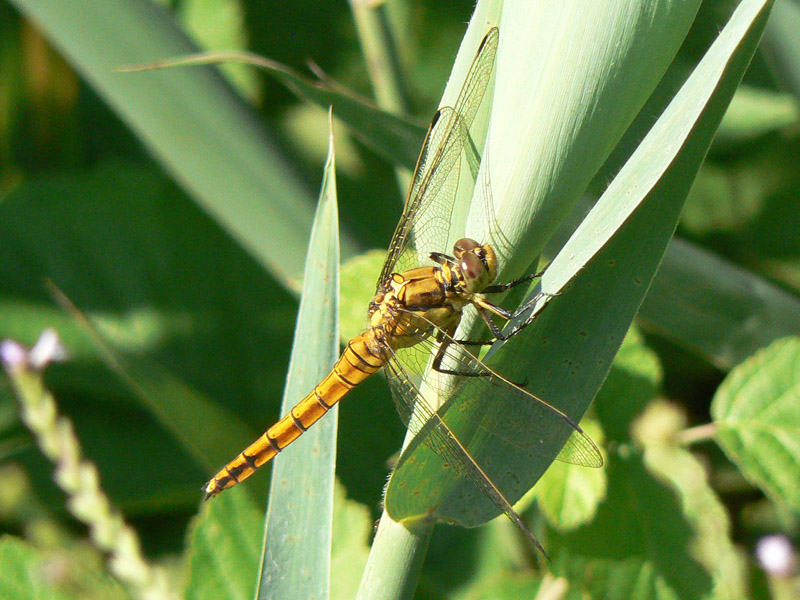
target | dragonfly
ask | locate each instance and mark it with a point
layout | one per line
(419, 302)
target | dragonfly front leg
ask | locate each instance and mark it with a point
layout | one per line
(502, 287)
(487, 309)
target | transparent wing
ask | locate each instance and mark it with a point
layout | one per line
(418, 414)
(425, 223)
(505, 412)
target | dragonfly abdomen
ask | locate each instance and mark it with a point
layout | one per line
(356, 364)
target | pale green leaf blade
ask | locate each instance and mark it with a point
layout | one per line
(297, 544)
(352, 530)
(630, 227)
(758, 422)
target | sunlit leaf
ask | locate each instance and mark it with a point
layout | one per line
(758, 423)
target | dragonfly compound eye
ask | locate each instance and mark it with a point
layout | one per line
(463, 246)
(474, 270)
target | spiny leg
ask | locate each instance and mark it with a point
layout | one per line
(444, 340)
(487, 309)
(502, 287)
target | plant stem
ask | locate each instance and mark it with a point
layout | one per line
(395, 561)
(693, 435)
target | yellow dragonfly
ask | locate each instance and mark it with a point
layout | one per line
(419, 302)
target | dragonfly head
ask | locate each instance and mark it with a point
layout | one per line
(478, 263)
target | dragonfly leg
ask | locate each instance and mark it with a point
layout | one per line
(444, 343)
(521, 310)
(502, 287)
(486, 309)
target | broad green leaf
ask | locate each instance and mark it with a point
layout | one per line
(21, 573)
(224, 548)
(297, 543)
(758, 424)
(359, 275)
(54, 573)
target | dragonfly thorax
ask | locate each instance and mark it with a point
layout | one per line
(477, 264)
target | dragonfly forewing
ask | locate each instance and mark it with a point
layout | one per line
(426, 220)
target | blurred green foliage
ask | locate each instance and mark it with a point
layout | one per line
(82, 204)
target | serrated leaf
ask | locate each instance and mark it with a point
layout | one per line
(758, 422)
(224, 548)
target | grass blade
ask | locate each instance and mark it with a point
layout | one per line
(297, 544)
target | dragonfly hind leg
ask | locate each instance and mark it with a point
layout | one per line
(445, 343)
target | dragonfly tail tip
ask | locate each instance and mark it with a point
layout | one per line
(210, 492)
